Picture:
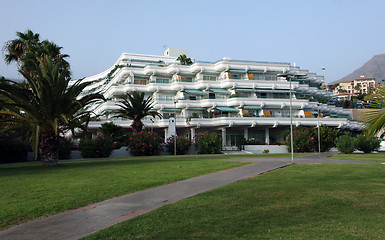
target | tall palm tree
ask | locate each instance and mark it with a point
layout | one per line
(136, 107)
(47, 103)
(375, 117)
(27, 47)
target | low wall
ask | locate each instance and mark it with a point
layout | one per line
(271, 148)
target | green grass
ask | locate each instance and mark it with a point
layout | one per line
(373, 157)
(29, 191)
(296, 202)
(221, 156)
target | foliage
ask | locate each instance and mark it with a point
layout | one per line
(114, 132)
(266, 151)
(182, 145)
(65, 147)
(12, 150)
(345, 143)
(206, 143)
(144, 143)
(367, 145)
(303, 140)
(184, 60)
(47, 102)
(135, 107)
(99, 147)
(328, 136)
(375, 118)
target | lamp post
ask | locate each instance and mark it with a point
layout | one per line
(175, 126)
(319, 133)
(289, 75)
(152, 124)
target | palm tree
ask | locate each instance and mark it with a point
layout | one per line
(375, 117)
(136, 107)
(184, 60)
(27, 47)
(47, 104)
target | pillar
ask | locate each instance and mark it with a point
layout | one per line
(192, 137)
(267, 136)
(223, 137)
(165, 134)
(246, 133)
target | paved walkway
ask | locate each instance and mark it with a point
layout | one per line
(95, 217)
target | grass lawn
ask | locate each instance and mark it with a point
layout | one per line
(373, 157)
(296, 202)
(223, 156)
(29, 191)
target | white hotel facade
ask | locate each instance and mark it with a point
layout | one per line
(237, 99)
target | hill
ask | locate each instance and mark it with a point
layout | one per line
(375, 67)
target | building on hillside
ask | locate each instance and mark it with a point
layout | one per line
(361, 85)
(235, 98)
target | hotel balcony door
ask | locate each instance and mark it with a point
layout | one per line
(233, 139)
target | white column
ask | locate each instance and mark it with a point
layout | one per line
(267, 136)
(223, 137)
(165, 134)
(192, 130)
(246, 133)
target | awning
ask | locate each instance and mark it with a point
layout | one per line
(220, 91)
(195, 109)
(245, 90)
(237, 71)
(251, 107)
(271, 107)
(227, 109)
(273, 91)
(170, 110)
(195, 92)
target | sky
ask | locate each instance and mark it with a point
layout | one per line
(339, 35)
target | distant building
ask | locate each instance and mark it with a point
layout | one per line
(361, 85)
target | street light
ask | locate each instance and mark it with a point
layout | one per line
(175, 101)
(319, 133)
(289, 75)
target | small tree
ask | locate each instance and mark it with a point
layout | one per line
(345, 143)
(182, 145)
(367, 145)
(328, 137)
(184, 60)
(113, 131)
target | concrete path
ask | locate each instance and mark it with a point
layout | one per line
(95, 217)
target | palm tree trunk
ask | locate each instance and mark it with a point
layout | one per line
(49, 149)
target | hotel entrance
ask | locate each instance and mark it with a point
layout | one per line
(234, 138)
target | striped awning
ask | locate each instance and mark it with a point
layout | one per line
(195, 92)
(220, 91)
(227, 109)
(252, 107)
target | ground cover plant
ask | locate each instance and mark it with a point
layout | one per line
(297, 202)
(29, 191)
(372, 157)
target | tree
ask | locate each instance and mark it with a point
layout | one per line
(25, 49)
(375, 117)
(136, 107)
(184, 60)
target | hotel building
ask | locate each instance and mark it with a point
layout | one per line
(235, 98)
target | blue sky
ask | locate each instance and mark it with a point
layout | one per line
(339, 35)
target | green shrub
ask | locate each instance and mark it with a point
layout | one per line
(208, 143)
(367, 145)
(328, 137)
(65, 147)
(144, 144)
(12, 150)
(345, 143)
(96, 148)
(182, 145)
(114, 132)
(303, 140)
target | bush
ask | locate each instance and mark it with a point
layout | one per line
(12, 150)
(96, 148)
(144, 144)
(65, 147)
(113, 131)
(208, 144)
(182, 145)
(367, 145)
(345, 143)
(303, 140)
(328, 137)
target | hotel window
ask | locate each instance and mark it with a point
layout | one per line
(209, 78)
(211, 95)
(162, 80)
(236, 76)
(140, 81)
